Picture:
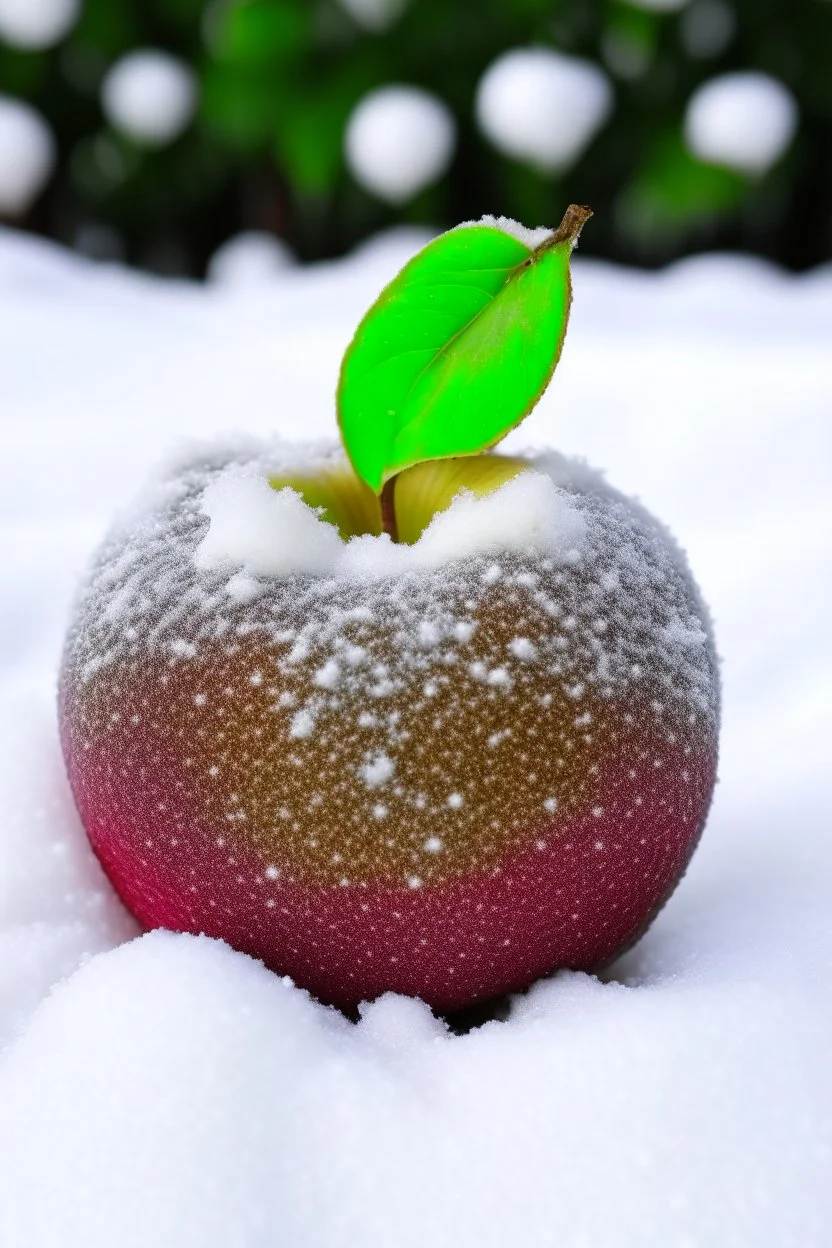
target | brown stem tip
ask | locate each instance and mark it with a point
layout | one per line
(574, 220)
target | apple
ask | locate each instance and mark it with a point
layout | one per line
(443, 767)
(419, 717)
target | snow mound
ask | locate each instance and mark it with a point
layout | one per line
(176, 1093)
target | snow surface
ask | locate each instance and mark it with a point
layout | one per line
(398, 140)
(27, 155)
(172, 1092)
(542, 106)
(150, 95)
(744, 120)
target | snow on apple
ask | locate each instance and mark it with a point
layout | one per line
(542, 106)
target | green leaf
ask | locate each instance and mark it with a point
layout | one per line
(457, 350)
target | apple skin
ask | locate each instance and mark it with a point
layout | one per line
(444, 784)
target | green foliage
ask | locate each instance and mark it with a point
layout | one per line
(457, 349)
(278, 79)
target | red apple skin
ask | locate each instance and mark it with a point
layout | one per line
(459, 820)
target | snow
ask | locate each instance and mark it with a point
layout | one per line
(27, 155)
(399, 139)
(150, 95)
(274, 532)
(249, 259)
(542, 106)
(530, 238)
(36, 24)
(172, 1092)
(744, 120)
(264, 531)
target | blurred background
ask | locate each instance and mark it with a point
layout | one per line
(230, 137)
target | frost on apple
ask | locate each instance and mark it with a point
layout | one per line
(351, 773)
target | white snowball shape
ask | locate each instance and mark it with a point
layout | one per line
(34, 24)
(376, 15)
(150, 96)
(744, 120)
(251, 258)
(27, 155)
(398, 140)
(541, 106)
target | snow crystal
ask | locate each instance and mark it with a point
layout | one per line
(377, 770)
(27, 155)
(542, 106)
(744, 120)
(302, 723)
(150, 95)
(399, 140)
(523, 648)
(328, 676)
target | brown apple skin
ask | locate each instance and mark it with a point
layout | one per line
(445, 783)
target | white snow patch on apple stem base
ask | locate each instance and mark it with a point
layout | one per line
(268, 532)
(275, 533)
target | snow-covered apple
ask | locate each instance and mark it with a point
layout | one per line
(444, 764)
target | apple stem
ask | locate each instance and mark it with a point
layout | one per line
(574, 220)
(388, 510)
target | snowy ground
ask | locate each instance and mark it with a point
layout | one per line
(172, 1093)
